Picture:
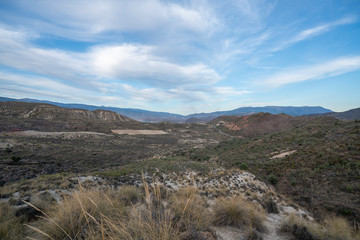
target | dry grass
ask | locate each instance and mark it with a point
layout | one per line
(78, 216)
(238, 212)
(191, 210)
(95, 214)
(334, 228)
(129, 194)
(10, 226)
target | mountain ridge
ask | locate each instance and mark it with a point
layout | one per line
(152, 116)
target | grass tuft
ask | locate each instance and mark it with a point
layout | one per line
(237, 212)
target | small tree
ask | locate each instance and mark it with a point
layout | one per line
(15, 159)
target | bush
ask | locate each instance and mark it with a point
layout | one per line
(15, 159)
(243, 166)
(272, 179)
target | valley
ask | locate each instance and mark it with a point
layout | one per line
(282, 167)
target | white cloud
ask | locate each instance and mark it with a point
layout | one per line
(84, 19)
(325, 70)
(120, 62)
(139, 62)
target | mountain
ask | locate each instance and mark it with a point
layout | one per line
(150, 116)
(352, 114)
(243, 111)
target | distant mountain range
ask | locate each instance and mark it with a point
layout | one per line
(150, 116)
(347, 115)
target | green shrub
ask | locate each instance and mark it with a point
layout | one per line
(272, 179)
(243, 166)
(15, 159)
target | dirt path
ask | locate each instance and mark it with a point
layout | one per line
(139, 132)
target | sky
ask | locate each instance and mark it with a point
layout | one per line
(182, 56)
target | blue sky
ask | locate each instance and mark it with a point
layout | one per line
(182, 56)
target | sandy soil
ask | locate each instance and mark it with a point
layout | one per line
(139, 132)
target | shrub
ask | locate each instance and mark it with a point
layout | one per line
(272, 179)
(15, 159)
(243, 166)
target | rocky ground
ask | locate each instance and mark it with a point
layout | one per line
(215, 184)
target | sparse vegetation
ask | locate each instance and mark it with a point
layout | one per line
(334, 228)
(318, 168)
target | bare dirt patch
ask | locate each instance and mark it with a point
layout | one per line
(283, 154)
(139, 132)
(31, 133)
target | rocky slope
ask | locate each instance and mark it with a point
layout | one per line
(39, 116)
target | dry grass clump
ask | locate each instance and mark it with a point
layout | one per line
(190, 210)
(10, 226)
(151, 220)
(339, 228)
(96, 214)
(129, 194)
(238, 212)
(78, 216)
(146, 223)
(335, 228)
(43, 200)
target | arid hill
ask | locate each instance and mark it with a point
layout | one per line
(39, 116)
(256, 124)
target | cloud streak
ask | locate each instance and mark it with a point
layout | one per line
(320, 71)
(315, 31)
(105, 16)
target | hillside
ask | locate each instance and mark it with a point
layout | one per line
(256, 124)
(151, 116)
(40, 116)
(316, 163)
